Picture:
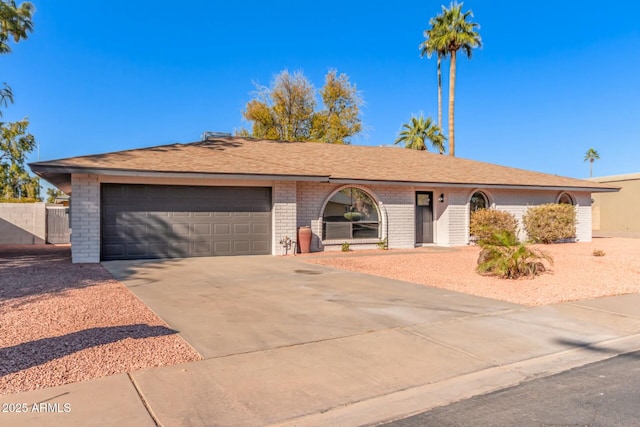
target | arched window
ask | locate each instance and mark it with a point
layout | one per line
(479, 200)
(565, 199)
(351, 213)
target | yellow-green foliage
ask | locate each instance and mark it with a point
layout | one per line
(487, 222)
(503, 256)
(289, 110)
(550, 223)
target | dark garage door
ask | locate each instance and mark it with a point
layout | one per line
(158, 221)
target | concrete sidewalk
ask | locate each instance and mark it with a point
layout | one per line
(365, 376)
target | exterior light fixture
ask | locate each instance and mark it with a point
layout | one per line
(441, 198)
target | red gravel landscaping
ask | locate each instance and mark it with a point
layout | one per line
(62, 323)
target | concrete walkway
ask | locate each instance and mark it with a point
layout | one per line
(288, 343)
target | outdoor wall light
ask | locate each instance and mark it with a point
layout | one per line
(441, 198)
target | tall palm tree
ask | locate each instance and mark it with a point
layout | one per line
(457, 33)
(430, 46)
(415, 134)
(591, 156)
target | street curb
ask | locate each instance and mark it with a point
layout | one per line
(404, 403)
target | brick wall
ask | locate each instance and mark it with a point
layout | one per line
(85, 218)
(22, 223)
(395, 205)
(284, 214)
(583, 206)
(518, 201)
(300, 204)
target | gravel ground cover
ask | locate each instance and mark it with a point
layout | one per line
(576, 274)
(62, 323)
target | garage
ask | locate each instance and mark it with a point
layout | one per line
(161, 221)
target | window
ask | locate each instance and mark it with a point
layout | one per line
(350, 214)
(565, 199)
(479, 200)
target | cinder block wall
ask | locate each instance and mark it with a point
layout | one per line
(284, 215)
(85, 218)
(23, 223)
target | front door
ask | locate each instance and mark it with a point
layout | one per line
(424, 217)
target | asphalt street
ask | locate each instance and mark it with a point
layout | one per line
(606, 393)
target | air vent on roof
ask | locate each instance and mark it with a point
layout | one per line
(207, 135)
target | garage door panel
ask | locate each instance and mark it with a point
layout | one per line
(260, 229)
(181, 229)
(202, 229)
(260, 246)
(242, 247)
(149, 221)
(202, 248)
(222, 230)
(222, 248)
(242, 229)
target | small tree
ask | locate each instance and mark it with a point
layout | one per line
(288, 111)
(418, 131)
(53, 194)
(503, 256)
(550, 223)
(15, 144)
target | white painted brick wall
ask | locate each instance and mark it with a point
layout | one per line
(300, 204)
(457, 218)
(284, 214)
(584, 212)
(395, 205)
(85, 218)
(518, 201)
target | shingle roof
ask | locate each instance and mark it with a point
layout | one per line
(235, 156)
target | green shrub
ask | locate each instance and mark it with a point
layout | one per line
(503, 256)
(23, 200)
(487, 222)
(382, 244)
(550, 223)
(345, 247)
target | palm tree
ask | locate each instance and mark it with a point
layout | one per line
(591, 156)
(415, 134)
(456, 33)
(428, 47)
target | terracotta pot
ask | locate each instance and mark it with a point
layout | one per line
(304, 239)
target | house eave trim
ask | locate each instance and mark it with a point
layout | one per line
(38, 169)
(473, 185)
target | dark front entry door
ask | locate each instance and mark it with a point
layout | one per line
(424, 217)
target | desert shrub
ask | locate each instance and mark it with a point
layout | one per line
(550, 223)
(503, 256)
(346, 247)
(382, 244)
(598, 252)
(485, 223)
(24, 200)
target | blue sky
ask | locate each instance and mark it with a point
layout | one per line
(552, 79)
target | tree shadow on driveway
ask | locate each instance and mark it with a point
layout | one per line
(33, 353)
(40, 270)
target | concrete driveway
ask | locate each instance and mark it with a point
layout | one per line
(230, 305)
(286, 342)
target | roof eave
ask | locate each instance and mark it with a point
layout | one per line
(59, 175)
(473, 185)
